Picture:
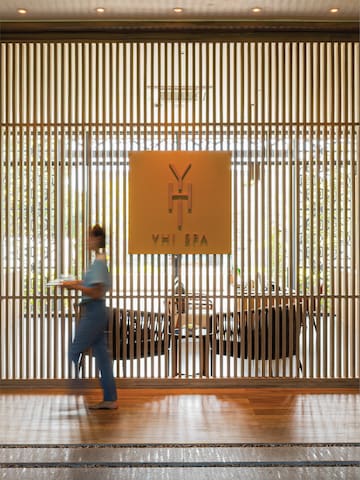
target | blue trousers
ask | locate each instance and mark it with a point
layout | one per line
(91, 333)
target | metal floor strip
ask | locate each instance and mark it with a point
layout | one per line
(181, 445)
(270, 464)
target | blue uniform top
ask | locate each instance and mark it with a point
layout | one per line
(97, 273)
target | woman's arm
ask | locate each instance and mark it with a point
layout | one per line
(95, 292)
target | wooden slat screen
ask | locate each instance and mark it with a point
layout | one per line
(285, 303)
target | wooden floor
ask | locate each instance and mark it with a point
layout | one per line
(160, 416)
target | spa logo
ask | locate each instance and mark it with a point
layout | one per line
(180, 193)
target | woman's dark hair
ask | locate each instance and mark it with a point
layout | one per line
(98, 232)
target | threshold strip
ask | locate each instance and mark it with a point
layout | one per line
(241, 464)
(179, 445)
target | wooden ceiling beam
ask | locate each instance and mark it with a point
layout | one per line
(180, 31)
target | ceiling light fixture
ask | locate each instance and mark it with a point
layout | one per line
(256, 9)
(22, 11)
(100, 9)
(178, 9)
(334, 10)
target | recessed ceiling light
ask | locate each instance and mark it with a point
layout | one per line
(334, 10)
(100, 10)
(22, 11)
(178, 9)
(256, 9)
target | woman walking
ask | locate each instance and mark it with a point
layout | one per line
(91, 329)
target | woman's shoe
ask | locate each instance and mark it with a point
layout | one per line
(104, 405)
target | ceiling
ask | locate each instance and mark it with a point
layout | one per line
(76, 10)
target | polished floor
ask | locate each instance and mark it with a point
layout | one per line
(197, 434)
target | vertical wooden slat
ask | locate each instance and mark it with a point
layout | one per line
(276, 201)
(266, 176)
(198, 337)
(235, 179)
(85, 156)
(249, 208)
(149, 335)
(13, 200)
(56, 271)
(253, 158)
(61, 197)
(80, 170)
(323, 310)
(353, 200)
(356, 154)
(357, 194)
(219, 133)
(345, 209)
(310, 172)
(68, 157)
(332, 211)
(318, 186)
(114, 227)
(40, 216)
(48, 311)
(338, 203)
(295, 118)
(267, 140)
(284, 337)
(129, 116)
(210, 135)
(264, 172)
(123, 112)
(356, 179)
(353, 226)
(104, 159)
(228, 143)
(304, 248)
(4, 132)
(8, 159)
(3, 163)
(7, 309)
(239, 279)
(17, 213)
(115, 245)
(33, 235)
(22, 220)
(290, 322)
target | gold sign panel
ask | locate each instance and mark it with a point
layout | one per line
(180, 202)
